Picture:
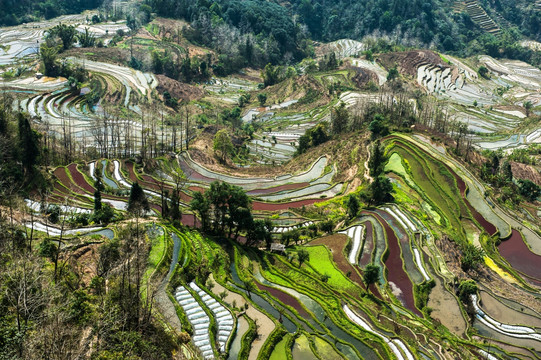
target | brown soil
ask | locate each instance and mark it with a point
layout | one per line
(250, 75)
(179, 90)
(523, 171)
(85, 259)
(511, 108)
(407, 62)
(144, 34)
(296, 88)
(169, 29)
(285, 298)
(446, 309)
(112, 55)
(363, 76)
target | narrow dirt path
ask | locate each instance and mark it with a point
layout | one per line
(167, 308)
(366, 170)
(266, 325)
(162, 301)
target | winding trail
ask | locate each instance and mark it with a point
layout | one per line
(366, 170)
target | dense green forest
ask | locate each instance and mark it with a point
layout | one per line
(430, 21)
(13, 12)
(276, 38)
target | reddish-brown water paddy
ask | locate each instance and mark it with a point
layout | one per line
(396, 273)
(520, 257)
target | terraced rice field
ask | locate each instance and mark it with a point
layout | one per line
(320, 308)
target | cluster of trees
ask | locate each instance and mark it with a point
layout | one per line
(312, 137)
(186, 69)
(499, 174)
(423, 23)
(222, 145)
(20, 148)
(274, 74)
(225, 210)
(244, 32)
(61, 38)
(380, 189)
(47, 301)
(22, 11)
(525, 156)
(472, 256)
(312, 230)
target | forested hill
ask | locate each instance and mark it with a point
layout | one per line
(13, 12)
(442, 22)
(447, 25)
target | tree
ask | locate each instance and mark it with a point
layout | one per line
(244, 99)
(377, 126)
(370, 275)
(175, 213)
(137, 202)
(483, 71)
(303, 256)
(222, 145)
(392, 74)
(232, 116)
(86, 39)
(249, 286)
(97, 194)
(471, 257)
(259, 232)
(104, 215)
(262, 98)
(238, 208)
(507, 172)
(157, 62)
(271, 75)
(66, 33)
(466, 288)
(28, 143)
(528, 106)
(380, 191)
(377, 160)
(201, 205)
(97, 200)
(461, 131)
(529, 189)
(326, 226)
(353, 206)
(339, 118)
(48, 56)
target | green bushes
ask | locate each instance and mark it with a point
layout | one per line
(465, 289)
(249, 336)
(312, 138)
(422, 293)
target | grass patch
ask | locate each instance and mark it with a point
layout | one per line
(321, 262)
(158, 252)
(324, 349)
(281, 350)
